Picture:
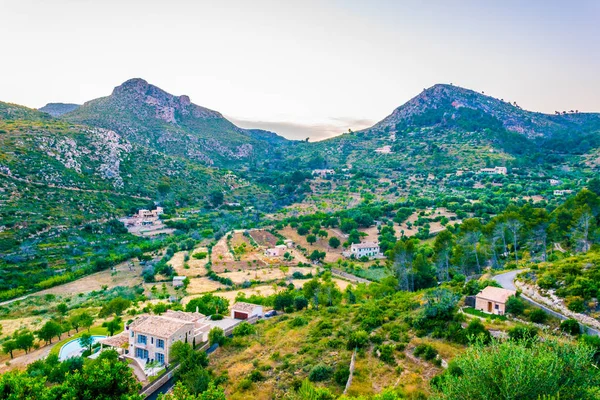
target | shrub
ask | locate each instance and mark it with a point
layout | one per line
(244, 329)
(341, 375)
(515, 306)
(386, 354)
(256, 376)
(570, 326)
(200, 256)
(426, 352)
(320, 373)
(575, 304)
(358, 339)
(523, 332)
(298, 321)
(538, 316)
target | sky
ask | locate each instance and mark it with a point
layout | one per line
(303, 68)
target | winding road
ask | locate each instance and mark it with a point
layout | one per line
(507, 281)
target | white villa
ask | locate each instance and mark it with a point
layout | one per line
(368, 249)
(323, 172)
(562, 192)
(495, 170)
(178, 281)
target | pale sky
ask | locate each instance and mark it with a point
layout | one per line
(302, 68)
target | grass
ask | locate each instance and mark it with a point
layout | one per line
(477, 313)
(96, 330)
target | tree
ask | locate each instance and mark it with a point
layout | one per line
(86, 320)
(49, 330)
(570, 326)
(334, 242)
(217, 336)
(113, 326)
(514, 225)
(311, 239)
(62, 308)
(317, 255)
(216, 198)
(208, 304)
(24, 340)
(86, 341)
(9, 346)
(300, 302)
(244, 329)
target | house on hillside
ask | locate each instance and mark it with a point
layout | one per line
(151, 336)
(495, 170)
(492, 300)
(562, 192)
(289, 243)
(366, 249)
(276, 251)
(241, 310)
(323, 173)
(178, 281)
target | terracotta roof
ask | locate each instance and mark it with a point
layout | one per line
(161, 326)
(241, 306)
(496, 294)
(184, 316)
(121, 340)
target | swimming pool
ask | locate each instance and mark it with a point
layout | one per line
(74, 349)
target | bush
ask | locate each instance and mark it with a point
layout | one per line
(523, 332)
(358, 339)
(320, 373)
(426, 352)
(256, 376)
(244, 329)
(298, 321)
(538, 316)
(515, 306)
(341, 375)
(575, 304)
(570, 326)
(200, 256)
(386, 354)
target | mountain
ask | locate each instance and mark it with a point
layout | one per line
(442, 103)
(58, 109)
(446, 128)
(145, 114)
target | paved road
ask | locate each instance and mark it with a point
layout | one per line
(507, 279)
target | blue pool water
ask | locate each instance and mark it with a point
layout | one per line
(74, 349)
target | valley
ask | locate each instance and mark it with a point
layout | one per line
(370, 246)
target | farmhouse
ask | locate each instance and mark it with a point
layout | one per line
(323, 172)
(368, 249)
(495, 170)
(289, 243)
(178, 281)
(554, 182)
(562, 192)
(242, 310)
(492, 300)
(276, 251)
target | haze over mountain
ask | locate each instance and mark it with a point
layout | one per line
(58, 109)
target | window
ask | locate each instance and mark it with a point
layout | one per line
(132, 334)
(160, 357)
(141, 353)
(142, 339)
(160, 343)
(151, 340)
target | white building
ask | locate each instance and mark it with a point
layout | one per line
(276, 251)
(289, 243)
(241, 310)
(495, 170)
(178, 281)
(554, 182)
(323, 172)
(562, 192)
(151, 336)
(368, 249)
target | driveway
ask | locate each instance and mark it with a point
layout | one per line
(506, 280)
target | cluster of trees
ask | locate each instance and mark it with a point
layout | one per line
(75, 379)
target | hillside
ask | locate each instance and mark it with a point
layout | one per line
(149, 116)
(58, 109)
